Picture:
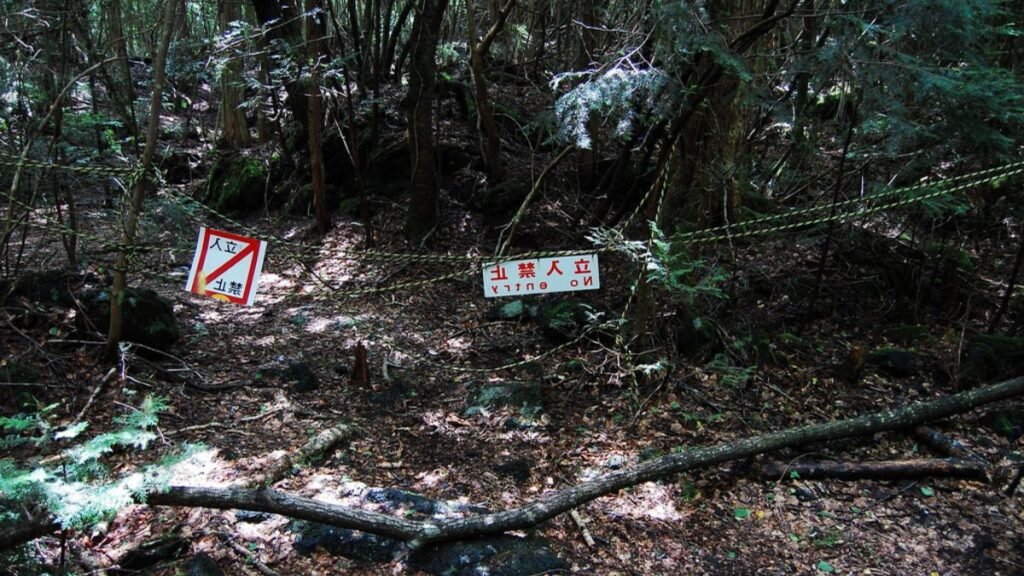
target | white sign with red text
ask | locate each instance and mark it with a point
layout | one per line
(541, 276)
(226, 266)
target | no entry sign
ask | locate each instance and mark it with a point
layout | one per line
(541, 276)
(226, 266)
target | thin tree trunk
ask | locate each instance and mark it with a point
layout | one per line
(485, 117)
(120, 283)
(314, 31)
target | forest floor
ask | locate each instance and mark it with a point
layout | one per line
(779, 367)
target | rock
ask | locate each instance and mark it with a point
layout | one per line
(148, 317)
(400, 500)
(48, 287)
(392, 393)
(894, 362)
(519, 469)
(1007, 422)
(300, 202)
(180, 166)
(236, 184)
(154, 551)
(202, 565)
(511, 310)
(615, 461)
(907, 334)
(987, 357)
(696, 338)
(344, 542)
(495, 556)
(289, 371)
(522, 395)
(252, 517)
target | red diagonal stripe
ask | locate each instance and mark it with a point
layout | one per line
(249, 249)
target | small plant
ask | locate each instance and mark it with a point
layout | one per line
(78, 489)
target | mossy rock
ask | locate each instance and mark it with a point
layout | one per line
(236, 184)
(521, 395)
(148, 318)
(47, 287)
(987, 357)
(301, 201)
(495, 555)
(696, 338)
(907, 334)
(894, 362)
(1007, 422)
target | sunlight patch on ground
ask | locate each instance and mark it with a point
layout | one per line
(650, 500)
(431, 479)
(205, 468)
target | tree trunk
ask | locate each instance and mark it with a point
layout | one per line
(123, 87)
(485, 116)
(234, 131)
(423, 211)
(282, 21)
(120, 282)
(314, 32)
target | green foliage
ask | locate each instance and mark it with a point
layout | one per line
(623, 99)
(77, 490)
(683, 31)
(729, 374)
(932, 87)
(672, 268)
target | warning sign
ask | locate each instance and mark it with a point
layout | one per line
(226, 266)
(541, 276)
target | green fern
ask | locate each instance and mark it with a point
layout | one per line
(78, 491)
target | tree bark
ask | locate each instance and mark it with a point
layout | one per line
(423, 211)
(283, 23)
(120, 283)
(417, 533)
(314, 31)
(485, 116)
(234, 132)
(879, 470)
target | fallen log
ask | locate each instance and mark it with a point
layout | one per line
(876, 470)
(417, 533)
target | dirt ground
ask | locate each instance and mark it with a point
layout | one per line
(436, 343)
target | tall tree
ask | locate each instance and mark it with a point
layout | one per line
(315, 30)
(234, 131)
(423, 187)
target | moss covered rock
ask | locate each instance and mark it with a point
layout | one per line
(236, 184)
(148, 318)
(988, 357)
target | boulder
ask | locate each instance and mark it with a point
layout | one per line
(289, 371)
(894, 362)
(987, 357)
(236, 184)
(148, 317)
(494, 556)
(526, 396)
(202, 565)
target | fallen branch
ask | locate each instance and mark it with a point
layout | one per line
(878, 470)
(942, 444)
(417, 533)
(318, 447)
